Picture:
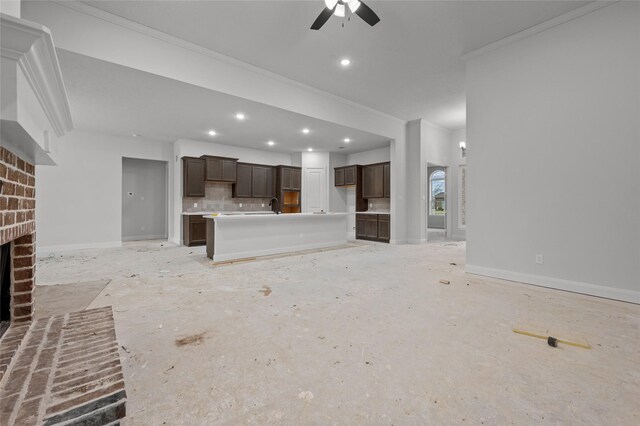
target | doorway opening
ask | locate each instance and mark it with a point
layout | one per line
(144, 199)
(437, 212)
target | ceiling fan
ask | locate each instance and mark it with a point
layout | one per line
(339, 8)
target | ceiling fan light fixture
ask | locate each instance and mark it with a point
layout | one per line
(330, 3)
(354, 5)
(340, 10)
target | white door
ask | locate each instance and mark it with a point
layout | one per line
(315, 189)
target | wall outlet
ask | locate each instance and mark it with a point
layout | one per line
(370, 205)
(262, 204)
(195, 204)
(539, 259)
(240, 205)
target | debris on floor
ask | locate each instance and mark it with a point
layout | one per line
(552, 341)
(194, 339)
(453, 263)
(266, 290)
(445, 282)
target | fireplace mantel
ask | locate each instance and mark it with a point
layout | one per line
(35, 110)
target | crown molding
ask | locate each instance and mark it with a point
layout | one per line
(178, 42)
(31, 46)
(536, 29)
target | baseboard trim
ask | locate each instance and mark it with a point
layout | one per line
(557, 284)
(416, 241)
(145, 237)
(47, 250)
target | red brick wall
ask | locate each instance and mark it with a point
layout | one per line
(17, 225)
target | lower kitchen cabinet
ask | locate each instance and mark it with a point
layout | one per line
(373, 227)
(194, 230)
(384, 227)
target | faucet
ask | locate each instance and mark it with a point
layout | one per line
(275, 205)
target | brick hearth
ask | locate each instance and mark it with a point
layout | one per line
(65, 371)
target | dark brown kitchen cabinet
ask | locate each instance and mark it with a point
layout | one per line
(376, 181)
(254, 181)
(288, 189)
(346, 175)
(373, 227)
(373, 181)
(289, 177)
(384, 228)
(338, 177)
(193, 174)
(220, 169)
(242, 187)
(194, 230)
(387, 180)
(262, 182)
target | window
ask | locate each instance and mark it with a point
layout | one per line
(437, 193)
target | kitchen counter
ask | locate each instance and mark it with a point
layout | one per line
(231, 237)
(373, 212)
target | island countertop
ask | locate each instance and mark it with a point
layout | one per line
(272, 217)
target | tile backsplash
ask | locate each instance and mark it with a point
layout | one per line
(218, 197)
(379, 204)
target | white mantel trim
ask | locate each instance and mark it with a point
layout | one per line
(31, 45)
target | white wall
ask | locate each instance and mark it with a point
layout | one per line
(372, 156)
(553, 145)
(337, 196)
(10, 7)
(456, 160)
(79, 201)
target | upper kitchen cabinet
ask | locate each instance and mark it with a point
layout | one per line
(262, 181)
(254, 181)
(242, 187)
(376, 180)
(373, 181)
(346, 175)
(220, 169)
(289, 178)
(387, 180)
(193, 174)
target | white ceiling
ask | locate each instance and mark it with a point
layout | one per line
(408, 65)
(113, 99)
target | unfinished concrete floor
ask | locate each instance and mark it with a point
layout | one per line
(360, 335)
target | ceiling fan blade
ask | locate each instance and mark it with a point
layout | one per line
(367, 15)
(323, 18)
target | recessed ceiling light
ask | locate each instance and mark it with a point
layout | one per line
(212, 132)
(345, 62)
(305, 131)
(240, 116)
(347, 140)
(271, 143)
(309, 149)
(135, 135)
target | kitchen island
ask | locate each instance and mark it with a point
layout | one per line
(232, 237)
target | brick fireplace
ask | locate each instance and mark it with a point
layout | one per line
(17, 228)
(17, 239)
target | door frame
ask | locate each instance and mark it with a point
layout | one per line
(167, 197)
